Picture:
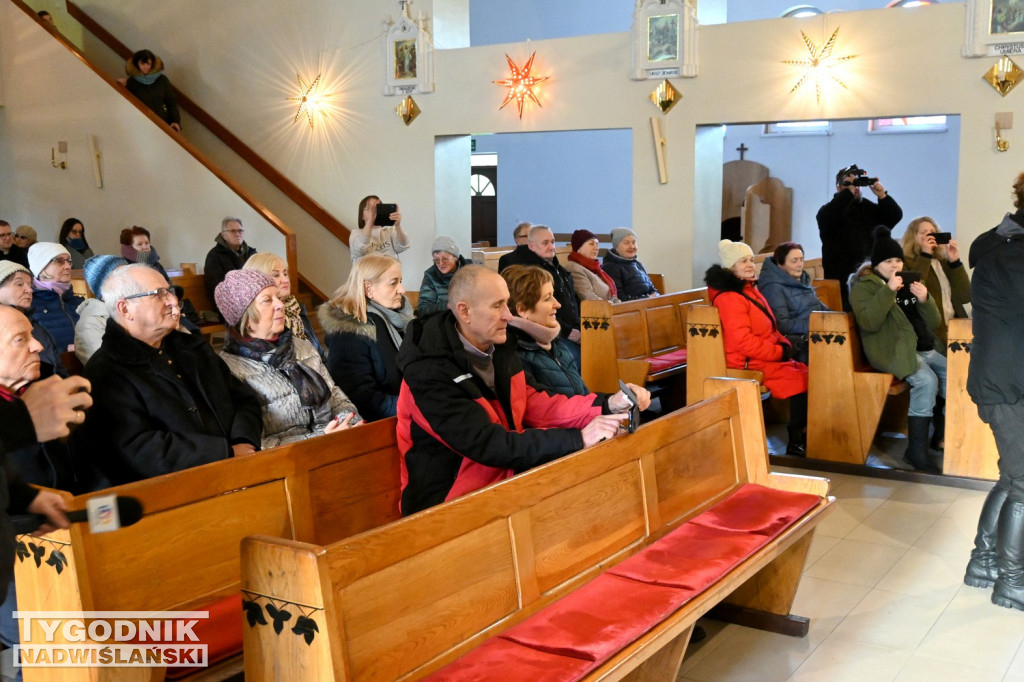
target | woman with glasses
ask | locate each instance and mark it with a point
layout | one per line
(295, 317)
(434, 289)
(55, 305)
(25, 236)
(363, 328)
(72, 237)
(297, 397)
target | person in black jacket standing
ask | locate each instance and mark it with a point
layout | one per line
(146, 80)
(230, 252)
(995, 382)
(846, 223)
(540, 251)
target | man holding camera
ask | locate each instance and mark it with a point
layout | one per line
(846, 222)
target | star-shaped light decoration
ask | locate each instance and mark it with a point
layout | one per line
(308, 99)
(520, 83)
(819, 63)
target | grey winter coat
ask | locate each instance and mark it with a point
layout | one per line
(285, 418)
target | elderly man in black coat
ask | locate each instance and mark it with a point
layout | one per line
(229, 252)
(164, 401)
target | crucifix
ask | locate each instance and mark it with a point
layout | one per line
(741, 149)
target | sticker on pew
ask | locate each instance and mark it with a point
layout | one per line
(111, 639)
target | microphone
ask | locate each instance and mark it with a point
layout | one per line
(104, 514)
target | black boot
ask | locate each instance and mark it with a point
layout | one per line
(981, 569)
(939, 421)
(917, 445)
(1009, 586)
(797, 446)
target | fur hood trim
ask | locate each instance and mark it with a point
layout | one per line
(334, 320)
(721, 279)
(132, 70)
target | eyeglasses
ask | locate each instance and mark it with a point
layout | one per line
(234, 231)
(443, 260)
(5, 235)
(19, 236)
(62, 260)
(163, 292)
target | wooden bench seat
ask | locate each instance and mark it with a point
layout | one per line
(970, 446)
(547, 572)
(639, 341)
(846, 396)
(183, 554)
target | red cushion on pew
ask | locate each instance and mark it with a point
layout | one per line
(691, 557)
(221, 632)
(757, 509)
(598, 619)
(501, 659)
(660, 363)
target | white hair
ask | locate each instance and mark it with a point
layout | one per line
(120, 284)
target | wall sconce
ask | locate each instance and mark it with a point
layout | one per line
(1004, 121)
(1003, 76)
(520, 83)
(819, 64)
(408, 110)
(665, 96)
(309, 99)
(62, 148)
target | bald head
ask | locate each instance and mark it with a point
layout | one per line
(478, 298)
(19, 351)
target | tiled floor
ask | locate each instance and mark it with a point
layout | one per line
(883, 587)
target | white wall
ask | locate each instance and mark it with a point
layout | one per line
(240, 60)
(148, 179)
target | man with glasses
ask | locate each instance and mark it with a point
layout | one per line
(521, 236)
(9, 250)
(230, 252)
(846, 223)
(163, 400)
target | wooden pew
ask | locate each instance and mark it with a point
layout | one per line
(845, 396)
(183, 554)
(632, 341)
(970, 446)
(489, 256)
(402, 601)
(706, 353)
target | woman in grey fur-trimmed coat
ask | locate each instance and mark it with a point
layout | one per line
(297, 396)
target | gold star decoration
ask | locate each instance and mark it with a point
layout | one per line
(308, 99)
(818, 64)
(520, 83)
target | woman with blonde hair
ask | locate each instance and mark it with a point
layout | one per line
(295, 315)
(363, 327)
(298, 400)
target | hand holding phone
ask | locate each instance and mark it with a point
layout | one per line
(942, 237)
(384, 212)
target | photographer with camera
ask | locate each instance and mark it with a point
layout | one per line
(380, 230)
(897, 321)
(846, 222)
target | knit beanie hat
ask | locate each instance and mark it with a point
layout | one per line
(9, 267)
(581, 237)
(41, 253)
(96, 270)
(620, 233)
(730, 252)
(884, 247)
(237, 291)
(446, 244)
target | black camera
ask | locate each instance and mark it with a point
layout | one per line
(909, 276)
(860, 181)
(384, 212)
(942, 237)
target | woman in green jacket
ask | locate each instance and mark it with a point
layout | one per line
(897, 322)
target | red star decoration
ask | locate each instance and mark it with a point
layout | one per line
(520, 84)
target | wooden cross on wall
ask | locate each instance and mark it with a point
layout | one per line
(742, 149)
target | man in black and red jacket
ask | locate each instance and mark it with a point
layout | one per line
(467, 414)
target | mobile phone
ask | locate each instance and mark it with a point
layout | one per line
(344, 416)
(909, 276)
(634, 411)
(942, 237)
(384, 212)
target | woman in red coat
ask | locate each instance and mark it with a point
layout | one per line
(752, 338)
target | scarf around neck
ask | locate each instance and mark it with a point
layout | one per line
(280, 354)
(148, 78)
(59, 288)
(396, 319)
(133, 256)
(543, 336)
(594, 266)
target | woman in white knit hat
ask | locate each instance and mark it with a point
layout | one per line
(752, 338)
(55, 305)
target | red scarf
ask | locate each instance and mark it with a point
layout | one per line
(595, 267)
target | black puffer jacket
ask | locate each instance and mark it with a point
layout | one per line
(221, 260)
(996, 374)
(145, 421)
(629, 275)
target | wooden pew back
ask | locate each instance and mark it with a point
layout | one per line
(970, 446)
(706, 353)
(489, 256)
(618, 338)
(402, 601)
(183, 553)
